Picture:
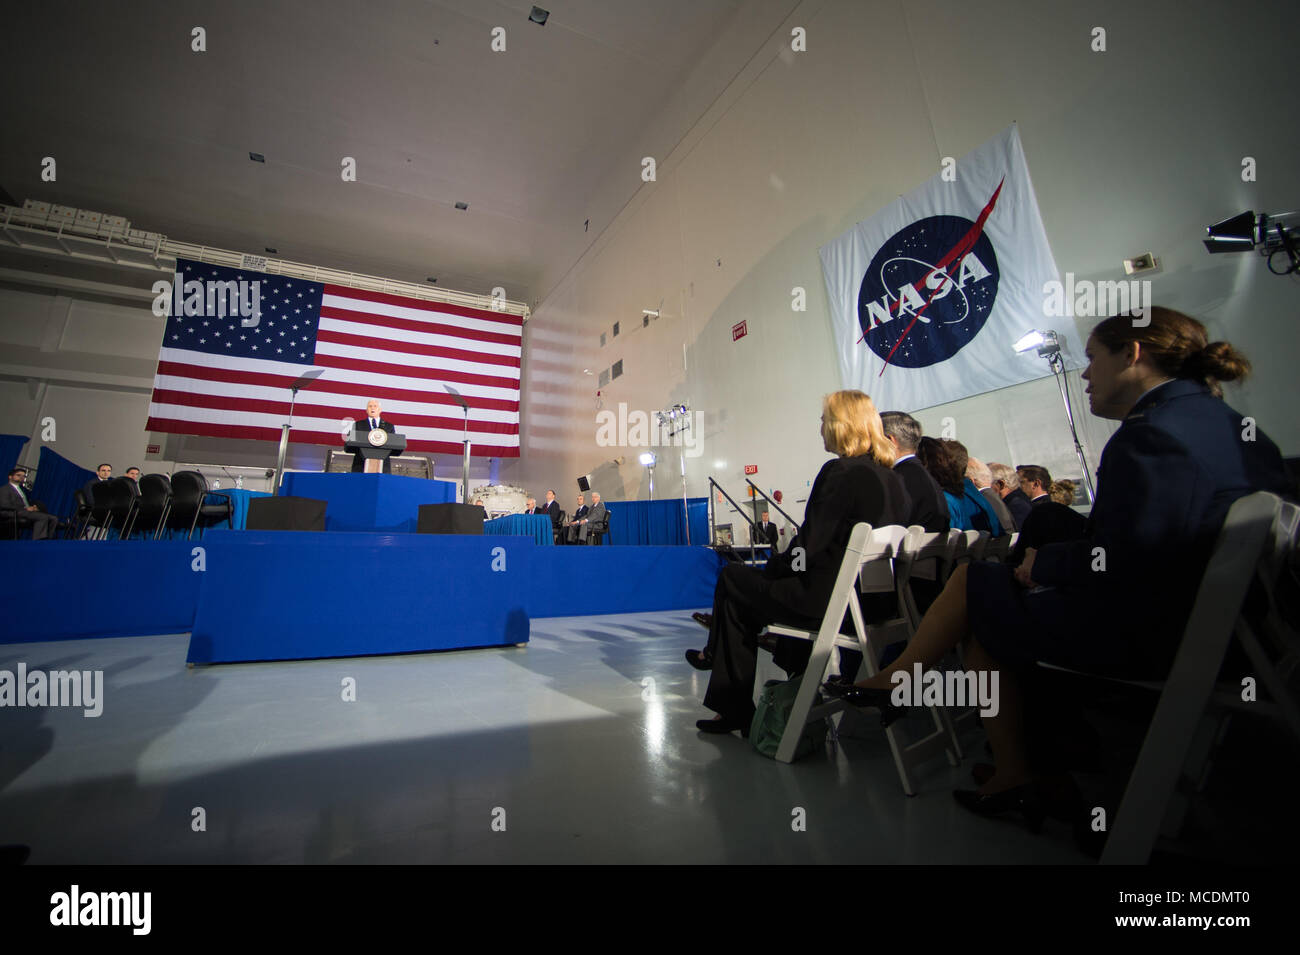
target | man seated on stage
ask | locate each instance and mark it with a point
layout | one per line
(595, 515)
(13, 499)
(133, 473)
(103, 473)
(372, 421)
(765, 534)
(577, 518)
(478, 502)
(552, 509)
(530, 507)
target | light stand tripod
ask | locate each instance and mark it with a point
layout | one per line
(304, 382)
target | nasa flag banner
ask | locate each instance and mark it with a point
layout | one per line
(929, 294)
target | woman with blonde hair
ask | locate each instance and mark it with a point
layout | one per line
(856, 486)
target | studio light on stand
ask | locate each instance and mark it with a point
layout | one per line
(455, 396)
(1048, 346)
(648, 460)
(1271, 234)
(678, 419)
(306, 381)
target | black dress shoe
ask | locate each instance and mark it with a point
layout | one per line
(865, 697)
(705, 620)
(723, 725)
(699, 659)
(1022, 799)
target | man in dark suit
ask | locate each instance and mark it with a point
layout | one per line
(765, 535)
(372, 421)
(576, 518)
(1036, 482)
(14, 500)
(551, 509)
(1007, 484)
(982, 477)
(102, 473)
(927, 505)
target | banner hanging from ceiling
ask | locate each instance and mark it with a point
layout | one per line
(928, 295)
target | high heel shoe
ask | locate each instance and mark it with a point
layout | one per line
(700, 659)
(865, 697)
(1022, 799)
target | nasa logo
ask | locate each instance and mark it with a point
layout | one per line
(944, 307)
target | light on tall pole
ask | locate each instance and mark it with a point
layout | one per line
(455, 395)
(305, 381)
(1048, 346)
(649, 460)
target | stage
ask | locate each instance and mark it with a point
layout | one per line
(285, 595)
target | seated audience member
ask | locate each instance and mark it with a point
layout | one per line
(1050, 522)
(1167, 479)
(927, 507)
(856, 486)
(102, 473)
(765, 534)
(967, 509)
(575, 519)
(1035, 482)
(16, 504)
(590, 517)
(1062, 492)
(1007, 485)
(978, 473)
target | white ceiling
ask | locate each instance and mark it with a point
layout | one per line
(142, 126)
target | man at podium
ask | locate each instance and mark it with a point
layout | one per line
(373, 420)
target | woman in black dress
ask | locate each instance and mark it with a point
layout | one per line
(1117, 599)
(795, 587)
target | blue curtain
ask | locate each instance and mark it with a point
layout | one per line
(657, 522)
(57, 481)
(11, 445)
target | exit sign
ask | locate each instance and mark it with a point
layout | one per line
(153, 449)
(739, 331)
(751, 468)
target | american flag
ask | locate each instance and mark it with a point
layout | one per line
(218, 378)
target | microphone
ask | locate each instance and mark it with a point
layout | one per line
(237, 481)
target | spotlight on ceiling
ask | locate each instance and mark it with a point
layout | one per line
(539, 16)
(1271, 234)
(462, 206)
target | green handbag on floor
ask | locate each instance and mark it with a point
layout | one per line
(772, 715)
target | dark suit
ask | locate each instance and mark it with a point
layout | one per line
(1164, 486)
(1048, 523)
(12, 499)
(553, 511)
(572, 532)
(847, 491)
(595, 515)
(1018, 504)
(765, 534)
(359, 434)
(927, 506)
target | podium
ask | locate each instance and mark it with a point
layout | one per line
(374, 446)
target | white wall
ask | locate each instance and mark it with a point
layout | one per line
(1131, 150)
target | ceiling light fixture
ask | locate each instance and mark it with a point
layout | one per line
(539, 16)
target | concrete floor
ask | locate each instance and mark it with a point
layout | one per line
(567, 741)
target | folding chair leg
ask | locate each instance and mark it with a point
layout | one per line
(1268, 675)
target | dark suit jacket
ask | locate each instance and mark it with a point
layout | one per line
(363, 427)
(553, 509)
(1164, 485)
(766, 534)
(1018, 504)
(580, 513)
(847, 491)
(927, 506)
(1048, 523)
(11, 500)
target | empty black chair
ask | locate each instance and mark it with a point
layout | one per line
(189, 510)
(118, 500)
(155, 501)
(558, 528)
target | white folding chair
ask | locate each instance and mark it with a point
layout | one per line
(1250, 535)
(970, 547)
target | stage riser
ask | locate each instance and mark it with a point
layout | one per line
(325, 594)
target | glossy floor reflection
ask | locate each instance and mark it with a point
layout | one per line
(581, 745)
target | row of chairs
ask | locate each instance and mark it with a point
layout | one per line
(1255, 551)
(153, 507)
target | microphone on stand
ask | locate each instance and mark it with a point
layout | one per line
(237, 481)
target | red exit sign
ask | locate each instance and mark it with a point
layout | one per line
(739, 331)
(751, 468)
